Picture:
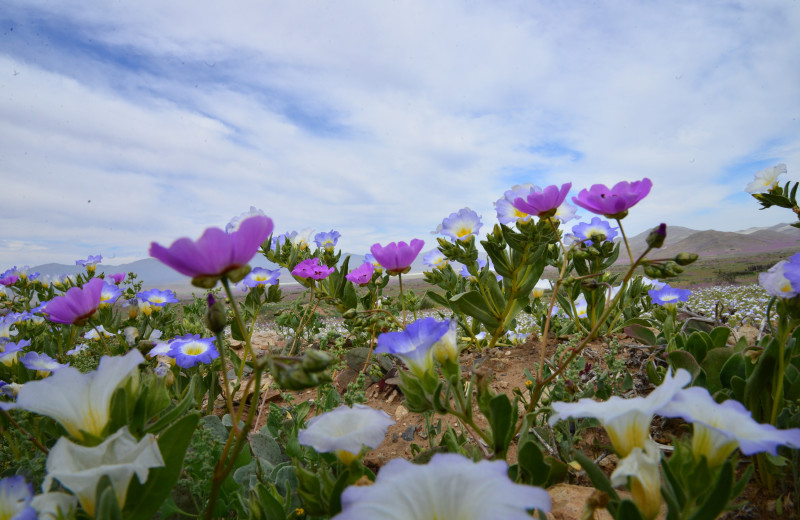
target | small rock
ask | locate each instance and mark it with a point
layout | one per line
(400, 412)
(395, 437)
(408, 435)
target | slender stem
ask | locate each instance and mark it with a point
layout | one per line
(25, 432)
(303, 320)
(625, 239)
(102, 337)
(402, 298)
(546, 330)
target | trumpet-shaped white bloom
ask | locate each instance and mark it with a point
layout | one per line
(80, 468)
(720, 428)
(345, 431)
(627, 421)
(642, 466)
(447, 346)
(80, 402)
(450, 486)
(54, 505)
(766, 179)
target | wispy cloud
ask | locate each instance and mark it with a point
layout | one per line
(125, 123)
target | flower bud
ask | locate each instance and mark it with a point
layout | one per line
(657, 236)
(216, 320)
(672, 269)
(653, 271)
(685, 258)
(316, 360)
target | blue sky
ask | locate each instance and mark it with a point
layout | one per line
(130, 122)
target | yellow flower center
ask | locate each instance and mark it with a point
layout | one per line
(194, 349)
(464, 231)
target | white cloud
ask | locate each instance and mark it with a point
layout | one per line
(380, 119)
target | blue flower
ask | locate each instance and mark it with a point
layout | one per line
(90, 262)
(15, 499)
(461, 225)
(327, 240)
(597, 228)
(669, 295)
(157, 298)
(434, 258)
(191, 349)
(465, 272)
(261, 276)
(414, 344)
(42, 363)
(109, 293)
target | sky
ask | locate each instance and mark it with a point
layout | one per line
(123, 123)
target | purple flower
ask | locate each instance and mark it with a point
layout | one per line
(191, 349)
(461, 225)
(109, 293)
(327, 240)
(117, 277)
(465, 272)
(90, 262)
(311, 268)
(542, 203)
(614, 202)
(362, 274)
(42, 363)
(216, 252)
(596, 227)
(414, 344)
(669, 295)
(397, 258)
(77, 305)
(776, 281)
(157, 298)
(506, 212)
(8, 279)
(261, 276)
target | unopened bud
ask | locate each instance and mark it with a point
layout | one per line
(657, 236)
(216, 320)
(316, 360)
(653, 271)
(672, 269)
(685, 258)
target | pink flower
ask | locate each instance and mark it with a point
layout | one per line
(311, 268)
(216, 252)
(361, 275)
(614, 202)
(397, 258)
(117, 277)
(77, 305)
(542, 202)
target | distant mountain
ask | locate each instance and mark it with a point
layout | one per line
(711, 243)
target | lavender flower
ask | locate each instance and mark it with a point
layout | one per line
(414, 344)
(461, 225)
(614, 202)
(327, 239)
(362, 274)
(311, 268)
(191, 349)
(77, 305)
(397, 258)
(542, 202)
(600, 229)
(261, 276)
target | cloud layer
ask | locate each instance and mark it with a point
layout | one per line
(125, 123)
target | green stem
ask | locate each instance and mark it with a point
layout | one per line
(303, 320)
(402, 299)
(101, 336)
(625, 239)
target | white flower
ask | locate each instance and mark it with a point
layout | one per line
(642, 466)
(302, 238)
(566, 212)
(80, 402)
(774, 281)
(720, 428)
(95, 333)
(540, 287)
(345, 431)
(54, 505)
(766, 179)
(627, 421)
(80, 468)
(130, 333)
(450, 486)
(447, 346)
(233, 225)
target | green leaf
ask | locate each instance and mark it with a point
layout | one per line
(502, 420)
(167, 419)
(106, 505)
(628, 511)
(735, 366)
(471, 303)
(642, 334)
(144, 500)
(682, 359)
(596, 475)
(267, 448)
(712, 365)
(719, 336)
(717, 499)
(531, 461)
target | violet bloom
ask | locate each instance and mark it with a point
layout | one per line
(362, 274)
(261, 276)
(615, 202)
(667, 295)
(597, 228)
(461, 225)
(542, 202)
(10, 351)
(8, 279)
(327, 240)
(216, 253)
(42, 363)
(191, 349)
(77, 305)
(117, 278)
(414, 344)
(311, 268)
(397, 257)
(435, 259)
